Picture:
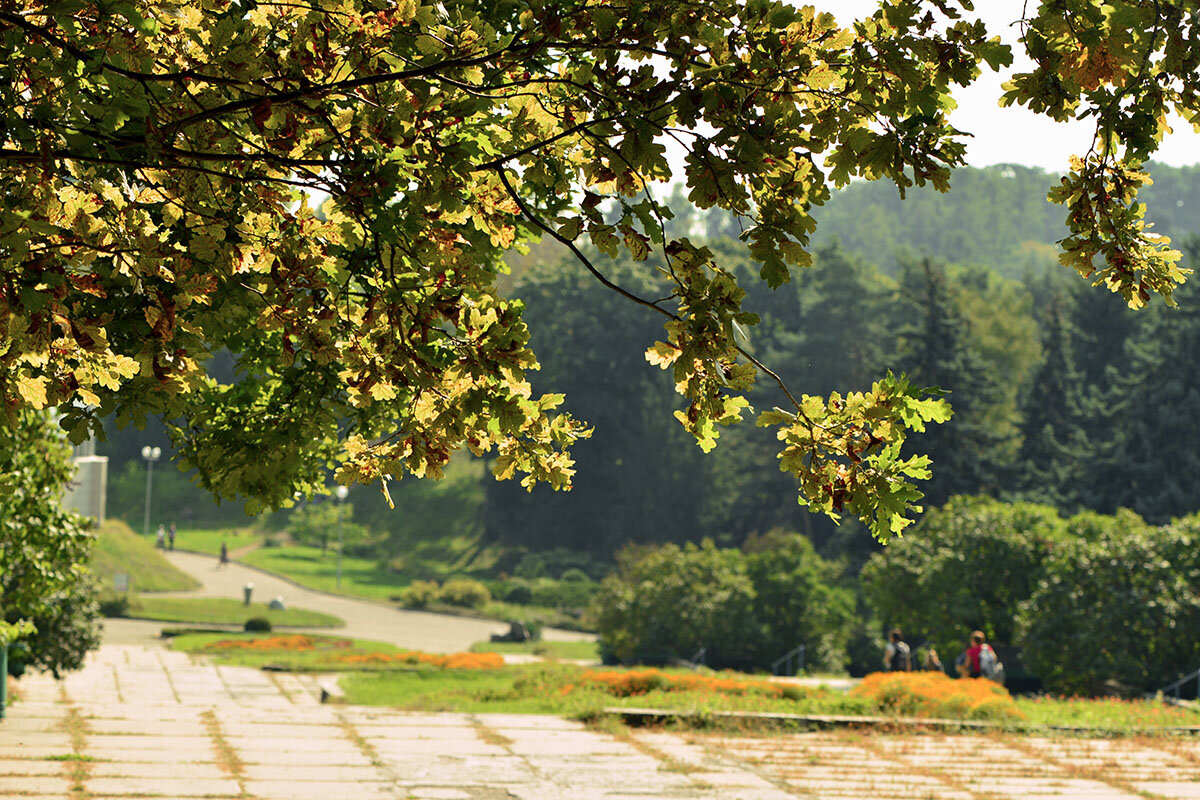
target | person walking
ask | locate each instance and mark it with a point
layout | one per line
(171, 537)
(897, 657)
(160, 539)
(223, 559)
(978, 660)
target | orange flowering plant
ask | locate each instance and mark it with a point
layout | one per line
(934, 694)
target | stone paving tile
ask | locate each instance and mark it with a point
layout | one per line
(34, 784)
(1172, 789)
(134, 769)
(166, 786)
(321, 790)
(29, 766)
(321, 772)
(19, 751)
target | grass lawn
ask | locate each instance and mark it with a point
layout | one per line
(206, 540)
(216, 610)
(361, 577)
(1107, 713)
(120, 550)
(589, 651)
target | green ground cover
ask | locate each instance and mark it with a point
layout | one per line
(361, 577)
(120, 550)
(1107, 713)
(568, 650)
(224, 610)
(208, 540)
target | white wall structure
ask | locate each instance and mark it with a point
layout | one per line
(90, 485)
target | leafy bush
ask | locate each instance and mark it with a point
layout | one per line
(517, 592)
(1117, 614)
(258, 625)
(574, 575)
(464, 592)
(420, 594)
(798, 602)
(667, 602)
(745, 610)
(564, 594)
(114, 605)
(557, 562)
(935, 694)
(964, 567)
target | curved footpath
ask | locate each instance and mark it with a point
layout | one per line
(417, 630)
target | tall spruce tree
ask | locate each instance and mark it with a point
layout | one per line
(1054, 447)
(936, 350)
(1153, 465)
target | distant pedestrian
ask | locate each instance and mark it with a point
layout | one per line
(224, 558)
(979, 659)
(171, 536)
(897, 657)
(160, 540)
(932, 662)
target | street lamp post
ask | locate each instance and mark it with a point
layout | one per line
(341, 493)
(151, 454)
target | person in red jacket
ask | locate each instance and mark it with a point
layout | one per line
(978, 656)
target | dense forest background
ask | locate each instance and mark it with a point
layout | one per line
(1061, 395)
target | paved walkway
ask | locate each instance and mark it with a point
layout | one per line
(140, 722)
(419, 630)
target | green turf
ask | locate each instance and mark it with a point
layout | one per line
(216, 610)
(206, 540)
(120, 550)
(361, 577)
(579, 651)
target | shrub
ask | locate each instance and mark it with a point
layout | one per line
(563, 594)
(518, 593)
(966, 566)
(258, 625)
(556, 563)
(420, 594)
(1117, 614)
(574, 575)
(934, 694)
(667, 602)
(798, 602)
(464, 592)
(114, 605)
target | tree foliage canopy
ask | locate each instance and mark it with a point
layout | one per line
(164, 161)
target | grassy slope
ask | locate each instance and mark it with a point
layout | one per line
(226, 610)
(119, 549)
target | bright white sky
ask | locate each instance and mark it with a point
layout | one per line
(1015, 135)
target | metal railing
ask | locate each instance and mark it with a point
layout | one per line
(1179, 684)
(795, 654)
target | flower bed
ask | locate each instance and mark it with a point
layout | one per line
(933, 694)
(413, 657)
